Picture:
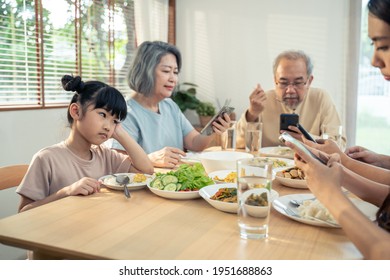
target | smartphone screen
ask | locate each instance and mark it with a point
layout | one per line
(288, 119)
(287, 137)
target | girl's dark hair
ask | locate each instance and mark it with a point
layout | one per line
(383, 214)
(95, 93)
(141, 76)
(380, 9)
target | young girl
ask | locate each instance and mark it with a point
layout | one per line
(73, 166)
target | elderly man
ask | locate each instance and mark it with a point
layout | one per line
(292, 94)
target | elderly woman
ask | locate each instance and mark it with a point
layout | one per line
(153, 119)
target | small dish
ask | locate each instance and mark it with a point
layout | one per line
(230, 207)
(292, 183)
(110, 181)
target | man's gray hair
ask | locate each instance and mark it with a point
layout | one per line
(141, 76)
(294, 55)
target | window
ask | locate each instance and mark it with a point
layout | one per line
(42, 40)
(373, 115)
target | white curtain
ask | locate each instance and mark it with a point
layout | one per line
(151, 20)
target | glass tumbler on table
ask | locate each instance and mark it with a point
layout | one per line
(228, 138)
(253, 137)
(334, 132)
(254, 184)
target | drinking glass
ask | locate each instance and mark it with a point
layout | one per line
(334, 132)
(253, 137)
(254, 184)
(228, 138)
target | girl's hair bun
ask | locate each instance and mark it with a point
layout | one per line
(70, 83)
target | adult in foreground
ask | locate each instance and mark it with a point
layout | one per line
(325, 181)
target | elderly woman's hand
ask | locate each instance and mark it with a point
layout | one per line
(221, 124)
(167, 157)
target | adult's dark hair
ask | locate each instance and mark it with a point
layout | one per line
(141, 76)
(294, 55)
(380, 9)
(95, 93)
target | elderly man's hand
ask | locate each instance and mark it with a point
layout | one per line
(256, 103)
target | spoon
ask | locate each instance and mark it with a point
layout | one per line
(123, 180)
(299, 202)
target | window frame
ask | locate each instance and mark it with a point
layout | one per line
(40, 94)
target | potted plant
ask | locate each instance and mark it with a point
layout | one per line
(205, 111)
(185, 97)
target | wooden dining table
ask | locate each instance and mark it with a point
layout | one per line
(106, 225)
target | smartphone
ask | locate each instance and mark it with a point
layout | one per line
(305, 133)
(288, 119)
(287, 137)
(208, 129)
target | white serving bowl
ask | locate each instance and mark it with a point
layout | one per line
(221, 160)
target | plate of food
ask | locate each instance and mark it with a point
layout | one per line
(224, 196)
(292, 177)
(312, 212)
(224, 176)
(183, 183)
(278, 151)
(137, 181)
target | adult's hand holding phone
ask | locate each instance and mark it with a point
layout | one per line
(221, 124)
(294, 132)
(318, 175)
(327, 146)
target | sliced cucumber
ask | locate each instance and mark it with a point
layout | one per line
(178, 187)
(168, 179)
(156, 183)
(170, 187)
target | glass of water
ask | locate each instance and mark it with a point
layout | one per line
(253, 137)
(228, 138)
(254, 186)
(334, 132)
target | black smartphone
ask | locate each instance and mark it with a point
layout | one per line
(288, 119)
(305, 133)
(287, 137)
(208, 129)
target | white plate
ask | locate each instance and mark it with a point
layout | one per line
(132, 186)
(284, 201)
(279, 151)
(220, 174)
(230, 207)
(292, 183)
(191, 158)
(174, 194)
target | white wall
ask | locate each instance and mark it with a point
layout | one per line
(229, 46)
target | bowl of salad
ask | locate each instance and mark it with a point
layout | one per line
(183, 183)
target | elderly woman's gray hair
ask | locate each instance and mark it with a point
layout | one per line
(141, 76)
(294, 55)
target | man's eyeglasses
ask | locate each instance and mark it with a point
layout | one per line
(297, 85)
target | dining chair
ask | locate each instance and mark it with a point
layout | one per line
(12, 175)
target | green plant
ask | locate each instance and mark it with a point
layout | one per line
(205, 109)
(185, 97)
